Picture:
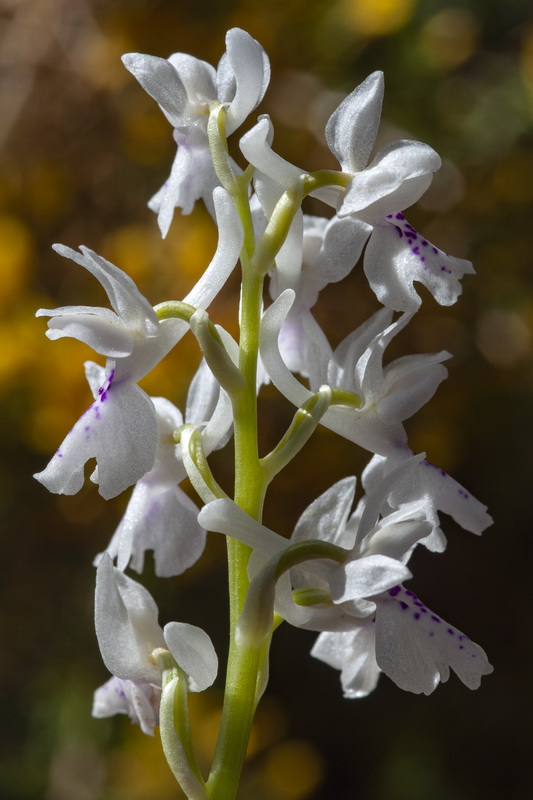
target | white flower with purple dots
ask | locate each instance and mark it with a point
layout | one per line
(397, 255)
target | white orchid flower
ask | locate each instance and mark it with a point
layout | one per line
(389, 395)
(430, 484)
(408, 642)
(396, 254)
(186, 89)
(159, 515)
(357, 604)
(119, 429)
(129, 634)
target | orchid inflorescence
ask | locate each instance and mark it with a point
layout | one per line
(342, 571)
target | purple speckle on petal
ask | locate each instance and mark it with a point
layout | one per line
(395, 590)
(435, 618)
(451, 631)
(416, 615)
(403, 605)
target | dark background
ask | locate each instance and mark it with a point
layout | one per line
(82, 149)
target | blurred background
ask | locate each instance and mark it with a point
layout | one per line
(82, 148)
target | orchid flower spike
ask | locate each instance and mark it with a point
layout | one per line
(186, 89)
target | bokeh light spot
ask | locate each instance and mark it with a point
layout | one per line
(377, 17)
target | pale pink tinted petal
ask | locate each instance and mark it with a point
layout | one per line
(304, 347)
(202, 396)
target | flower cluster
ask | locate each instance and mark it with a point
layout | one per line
(342, 571)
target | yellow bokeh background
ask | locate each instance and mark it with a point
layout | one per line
(82, 148)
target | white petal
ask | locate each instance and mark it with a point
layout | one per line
(378, 487)
(397, 255)
(131, 306)
(325, 518)
(95, 375)
(443, 492)
(365, 577)
(126, 625)
(304, 347)
(192, 177)
(341, 369)
(108, 337)
(416, 648)
(352, 652)
(119, 430)
(395, 537)
(171, 194)
(160, 80)
(194, 653)
(245, 83)
(163, 520)
(343, 244)
(403, 196)
(409, 383)
(140, 701)
(351, 130)
(363, 428)
(392, 177)
(199, 79)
